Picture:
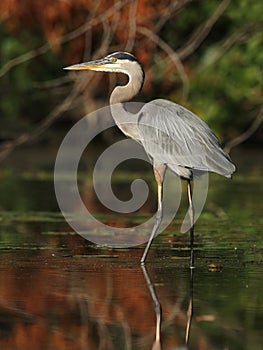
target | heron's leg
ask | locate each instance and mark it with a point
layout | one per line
(190, 309)
(159, 172)
(191, 213)
(157, 306)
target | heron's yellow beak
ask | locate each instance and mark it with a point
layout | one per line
(92, 65)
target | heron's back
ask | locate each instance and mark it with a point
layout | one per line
(173, 135)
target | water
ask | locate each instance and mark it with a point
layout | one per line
(59, 291)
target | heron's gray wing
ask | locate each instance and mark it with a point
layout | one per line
(173, 135)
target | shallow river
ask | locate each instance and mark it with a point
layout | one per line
(60, 291)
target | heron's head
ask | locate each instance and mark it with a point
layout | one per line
(118, 62)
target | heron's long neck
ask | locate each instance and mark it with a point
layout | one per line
(127, 92)
(125, 120)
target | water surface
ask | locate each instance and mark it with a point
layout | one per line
(59, 291)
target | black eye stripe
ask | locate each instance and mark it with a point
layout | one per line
(123, 56)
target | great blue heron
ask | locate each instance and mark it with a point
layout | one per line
(187, 143)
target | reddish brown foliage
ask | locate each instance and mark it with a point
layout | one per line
(57, 18)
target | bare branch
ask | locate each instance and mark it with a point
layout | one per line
(175, 6)
(238, 37)
(93, 21)
(202, 32)
(171, 54)
(9, 146)
(52, 83)
(23, 58)
(132, 26)
(247, 134)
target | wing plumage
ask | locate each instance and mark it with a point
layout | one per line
(173, 135)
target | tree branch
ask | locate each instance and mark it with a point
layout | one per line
(9, 146)
(247, 134)
(238, 37)
(132, 26)
(171, 54)
(202, 32)
(93, 21)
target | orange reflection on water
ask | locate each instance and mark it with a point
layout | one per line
(51, 300)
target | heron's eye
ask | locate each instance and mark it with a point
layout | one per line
(113, 59)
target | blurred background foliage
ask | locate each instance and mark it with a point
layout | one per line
(206, 55)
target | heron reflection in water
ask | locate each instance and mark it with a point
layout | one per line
(172, 136)
(158, 312)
